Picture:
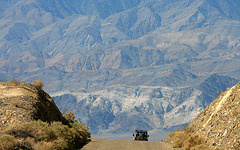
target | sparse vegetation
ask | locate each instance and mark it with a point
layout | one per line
(15, 81)
(33, 121)
(8, 142)
(177, 138)
(187, 140)
(42, 135)
(195, 142)
(69, 116)
(38, 83)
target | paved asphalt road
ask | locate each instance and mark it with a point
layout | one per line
(112, 144)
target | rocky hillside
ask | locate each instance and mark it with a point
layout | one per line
(218, 125)
(21, 102)
(219, 122)
(30, 119)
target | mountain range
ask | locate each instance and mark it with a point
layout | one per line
(123, 65)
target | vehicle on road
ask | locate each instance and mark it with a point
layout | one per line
(140, 135)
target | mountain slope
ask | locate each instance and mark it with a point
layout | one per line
(122, 109)
(218, 123)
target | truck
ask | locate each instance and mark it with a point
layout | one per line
(140, 135)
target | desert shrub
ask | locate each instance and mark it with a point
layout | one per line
(177, 138)
(69, 116)
(65, 135)
(187, 139)
(38, 129)
(8, 142)
(189, 130)
(55, 135)
(60, 143)
(81, 129)
(201, 147)
(194, 141)
(15, 81)
(68, 137)
(38, 83)
(20, 133)
(43, 145)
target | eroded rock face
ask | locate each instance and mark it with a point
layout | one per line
(219, 122)
(20, 102)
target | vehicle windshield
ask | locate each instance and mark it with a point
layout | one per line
(144, 134)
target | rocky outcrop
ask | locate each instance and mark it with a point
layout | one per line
(219, 122)
(21, 102)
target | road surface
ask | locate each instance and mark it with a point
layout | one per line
(112, 144)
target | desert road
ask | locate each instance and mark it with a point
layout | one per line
(113, 144)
